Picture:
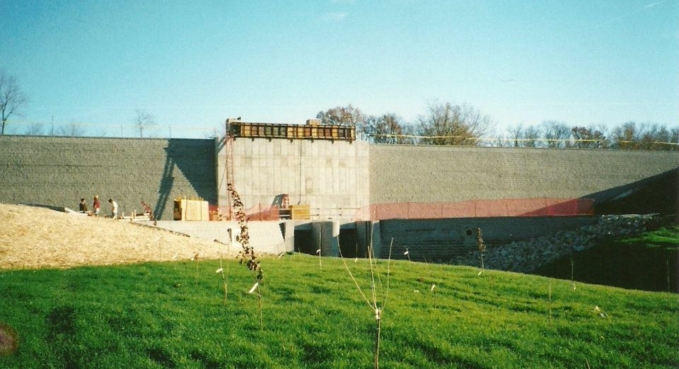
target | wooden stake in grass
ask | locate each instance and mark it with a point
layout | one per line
(320, 247)
(160, 248)
(667, 264)
(572, 272)
(377, 310)
(432, 289)
(225, 275)
(549, 294)
(221, 270)
(195, 258)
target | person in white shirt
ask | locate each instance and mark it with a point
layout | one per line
(114, 208)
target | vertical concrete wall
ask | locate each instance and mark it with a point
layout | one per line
(58, 171)
(401, 173)
(326, 234)
(332, 177)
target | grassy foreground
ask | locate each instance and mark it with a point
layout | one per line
(173, 315)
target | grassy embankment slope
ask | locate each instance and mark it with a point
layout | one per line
(173, 315)
(648, 262)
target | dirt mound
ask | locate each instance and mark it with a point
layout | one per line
(33, 237)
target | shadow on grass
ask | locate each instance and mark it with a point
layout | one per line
(61, 332)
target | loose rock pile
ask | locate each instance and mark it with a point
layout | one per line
(526, 256)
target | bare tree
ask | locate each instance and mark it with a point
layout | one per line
(143, 121)
(347, 116)
(520, 136)
(215, 133)
(102, 133)
(655, 137)
(12, 99)
(627, 136)
(387, 128)
(71, 130)
(674, 139)
(531, 136)
(35, 129)
(633, 136)
(589, 138)
(516, 135)
(557, 134)
(447, 124)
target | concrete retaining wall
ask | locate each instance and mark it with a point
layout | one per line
(332, 177)
(58, 171)
(402, 173)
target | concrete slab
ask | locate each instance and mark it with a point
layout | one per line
(265, 237)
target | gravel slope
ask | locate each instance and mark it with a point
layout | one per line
(33, 237)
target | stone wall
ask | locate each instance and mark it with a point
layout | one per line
(58, 171)
(512, 244)
(447, 240)
(529, 255)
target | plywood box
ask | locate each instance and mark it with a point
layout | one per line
(196, 210)
(300, 212)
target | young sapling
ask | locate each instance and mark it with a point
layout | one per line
(482, 248)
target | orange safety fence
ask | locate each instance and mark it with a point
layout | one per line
(478, 208)
(257, 212)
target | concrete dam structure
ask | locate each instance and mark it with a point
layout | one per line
(357, 192)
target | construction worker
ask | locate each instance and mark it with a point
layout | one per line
(114, 208)
(83, 205)
(96, 205)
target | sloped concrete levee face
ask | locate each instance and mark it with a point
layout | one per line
(332, 177)
(58, 171)
(436, 174)
(444, 240)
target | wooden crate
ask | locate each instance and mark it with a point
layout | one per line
(191, 210)
(300, 212)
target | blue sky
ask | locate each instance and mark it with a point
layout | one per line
(192, 64)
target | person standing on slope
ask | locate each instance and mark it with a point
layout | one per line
(96, 205)
(114, 208)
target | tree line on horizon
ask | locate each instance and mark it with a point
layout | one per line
(442, 124)
(448, 124)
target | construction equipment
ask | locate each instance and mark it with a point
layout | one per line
(311, 130)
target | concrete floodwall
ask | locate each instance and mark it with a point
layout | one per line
(332, 177)
(479, 208)
(454, 174)
(339, 180)
(58, 171)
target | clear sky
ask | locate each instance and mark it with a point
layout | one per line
(192, 64)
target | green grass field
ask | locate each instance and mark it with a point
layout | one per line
(666, 237)
(173, 315)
